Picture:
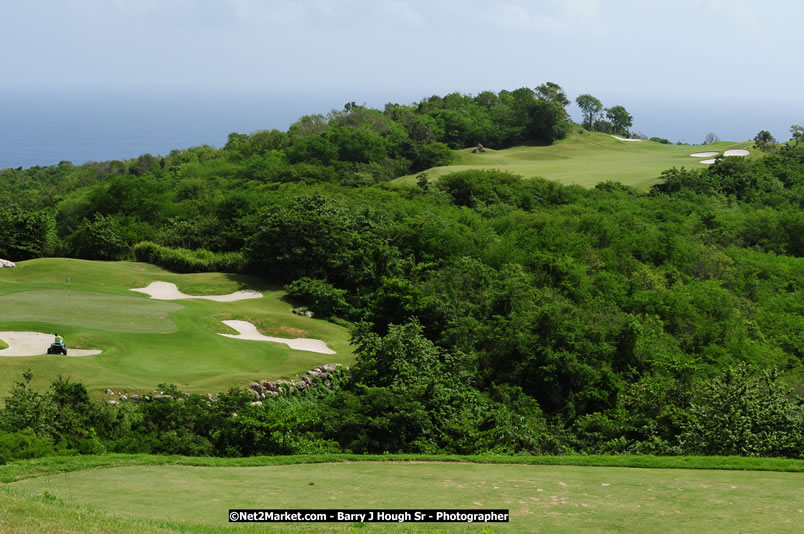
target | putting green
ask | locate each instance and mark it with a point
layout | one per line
(584, 159)
(146, 342)
(540, 498)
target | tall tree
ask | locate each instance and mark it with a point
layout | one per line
(620, 119)
(590, 107)
(764, 141)
(552, 92)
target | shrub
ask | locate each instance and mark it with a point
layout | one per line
(738, 415)
(24, 444)
(184, 260)
(321, 297)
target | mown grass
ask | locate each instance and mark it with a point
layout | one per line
(586, 160)
(138, 493)
(146, 342)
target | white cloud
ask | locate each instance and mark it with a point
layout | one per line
(259, 11)
(584, 9)
(140, 8)
(403, 10)
(517, 17)
(739, 11)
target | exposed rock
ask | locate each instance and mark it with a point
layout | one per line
(109, 392)
(7, 264)
(180, 399)
(300, 385)
(307, 380)
(112, 401)
(123, 397)
(267, 384)
(134, 397)
(256, 387)
(163, 398)
(308, 314)
(256, 403)
(254, 394)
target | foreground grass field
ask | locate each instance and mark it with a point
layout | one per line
(160, 494)
(146, 342)
(586, 159)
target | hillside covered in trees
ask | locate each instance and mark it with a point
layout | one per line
(490, 313)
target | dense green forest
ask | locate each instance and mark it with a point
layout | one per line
(490, 313)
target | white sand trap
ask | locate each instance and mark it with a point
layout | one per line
(618, 138)
(708, 161)
(249, 331)
(736, 152)
(169, 291)
(704, 154)
(35, 344)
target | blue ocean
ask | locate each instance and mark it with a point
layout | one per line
(44, 127)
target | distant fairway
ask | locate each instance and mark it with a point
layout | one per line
(586, 160)
(85, 309)
(539, 497)
(146, 342)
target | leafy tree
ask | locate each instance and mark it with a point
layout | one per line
(552, 92)
(620, 119)
(764, 141)
(590, 107)
(735, 414)
(26, 234)
(99, 239)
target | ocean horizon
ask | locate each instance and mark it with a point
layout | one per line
(45, 127)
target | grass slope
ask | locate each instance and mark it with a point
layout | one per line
(131, 495)
(586, 159)
(146, 342)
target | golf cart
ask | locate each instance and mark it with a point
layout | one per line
(57, 347)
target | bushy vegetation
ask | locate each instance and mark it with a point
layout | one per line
(493, 313)
(182, 260)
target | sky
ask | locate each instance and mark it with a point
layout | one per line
(661, 58)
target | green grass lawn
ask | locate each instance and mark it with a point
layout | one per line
(541, 498)
(586, 160)
(146, 342)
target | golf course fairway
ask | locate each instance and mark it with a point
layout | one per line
(540, 498)
(584, 159)
(146, 342)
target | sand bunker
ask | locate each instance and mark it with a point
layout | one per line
(708, 161)
(249, 331)
(704, 154)
(169, 291)
(35, 344)
(736, 152)
(618, 138)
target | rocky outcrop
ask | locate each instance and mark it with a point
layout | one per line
(303, 312)
(259, 391)
(7, 264)
(321, 374)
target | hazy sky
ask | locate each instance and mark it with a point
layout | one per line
(735, 52)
